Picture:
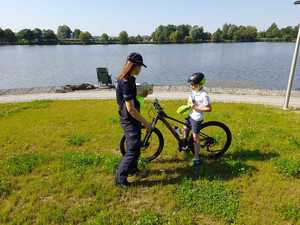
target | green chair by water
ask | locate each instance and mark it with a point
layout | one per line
(103, 77)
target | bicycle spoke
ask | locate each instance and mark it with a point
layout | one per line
(212, 140)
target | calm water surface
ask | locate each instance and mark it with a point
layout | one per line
(254, 65)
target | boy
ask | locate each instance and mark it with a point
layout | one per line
(200, 102)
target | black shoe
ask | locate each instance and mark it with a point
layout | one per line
(183, 145)
(197, 168)
(134, 171)
(197, 163)
(125, 184)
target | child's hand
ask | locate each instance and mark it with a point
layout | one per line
(195, 106)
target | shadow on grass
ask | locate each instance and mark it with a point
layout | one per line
(169, 160)
(248, 154)
(215, 170)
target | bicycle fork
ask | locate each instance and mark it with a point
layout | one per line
(148, 134)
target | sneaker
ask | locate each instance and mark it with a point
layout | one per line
(183, 145)
(124, 184)
(134, 171)
(197, 163)
(197, 167)
(139, 173)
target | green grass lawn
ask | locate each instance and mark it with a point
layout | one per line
(57, 162)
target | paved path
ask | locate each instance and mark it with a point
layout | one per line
(107, 94)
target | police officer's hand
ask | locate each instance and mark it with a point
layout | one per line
(148, 126)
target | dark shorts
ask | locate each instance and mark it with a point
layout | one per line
(195, 125)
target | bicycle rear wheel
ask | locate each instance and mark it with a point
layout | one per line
(152, 144)
(215, 139)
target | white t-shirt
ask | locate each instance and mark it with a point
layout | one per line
(200, 98)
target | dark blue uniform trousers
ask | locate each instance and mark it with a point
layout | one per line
(133, 145)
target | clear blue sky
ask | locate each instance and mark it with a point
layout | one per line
(141, 17)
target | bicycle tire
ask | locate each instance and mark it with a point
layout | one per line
(158, 150)
(221, 152)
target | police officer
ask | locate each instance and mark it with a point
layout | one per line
(130, 118)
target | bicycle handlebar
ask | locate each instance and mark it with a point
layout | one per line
(157, 105)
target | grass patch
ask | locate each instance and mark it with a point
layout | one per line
(149, 218)
(295, 142)
(79, 160)
(289, 168)
(8, 109)
(209, 197)
(23, 164)
(290, 212)
(4, 187)
(113, 120)
(51, 213)
(111, 163)
(77, 140)
(225, 169)
(108, 217)
(68, 186)
(253, 155)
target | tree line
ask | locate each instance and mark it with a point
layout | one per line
(163, 34)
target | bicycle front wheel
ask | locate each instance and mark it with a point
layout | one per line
(152, 144)
(215, 139)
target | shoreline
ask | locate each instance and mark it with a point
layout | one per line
(229, 95)
(153, 43)
(156, 88)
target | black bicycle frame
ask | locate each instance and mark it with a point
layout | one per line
(163, 117)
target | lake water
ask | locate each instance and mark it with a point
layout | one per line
(253, 65)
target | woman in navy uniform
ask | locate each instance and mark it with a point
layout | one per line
(130, 118)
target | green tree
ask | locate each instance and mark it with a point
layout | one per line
(76, 33)
(123, 37)
(10, 36)
(162, 33)
(2, 36)
(147, 38)
(49, 37)
(225, 31)
(104, 38)
(157, 35)
(188, 39)
(64, 32)
(182, 32)
(139, 39)
(174, 38)
(244, 34)
(288, 33)
(85, 37)
(217, 36)
(197, 33)
(273, 31)
(38, 35)
(261, 34)
(25, 36)
(232, 29)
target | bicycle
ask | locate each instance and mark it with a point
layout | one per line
(150, 151)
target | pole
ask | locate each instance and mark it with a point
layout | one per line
(292, 73)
